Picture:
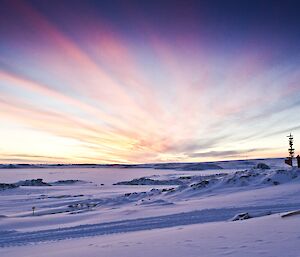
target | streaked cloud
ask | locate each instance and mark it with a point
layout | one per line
(130, 88)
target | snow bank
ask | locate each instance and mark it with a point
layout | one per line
(250, 178)
(253, 178)
(39, 182)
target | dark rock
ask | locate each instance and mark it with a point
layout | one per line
(66, 182)
(4, 186)
(186, 177)
(241, 216)
(148, 181)
(168, 189)
(33, 182)
(262, 166)
(201, 184)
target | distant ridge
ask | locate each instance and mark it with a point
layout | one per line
(163, 166)
(184, 166)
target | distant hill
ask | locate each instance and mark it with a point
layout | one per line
(184, 166)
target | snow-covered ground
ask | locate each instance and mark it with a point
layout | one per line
(106, 211)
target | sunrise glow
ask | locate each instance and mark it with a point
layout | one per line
(123, 82)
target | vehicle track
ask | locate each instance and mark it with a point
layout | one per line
(15, 238)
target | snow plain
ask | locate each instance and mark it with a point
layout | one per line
(152, 212)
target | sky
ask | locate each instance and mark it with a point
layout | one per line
(148, 81)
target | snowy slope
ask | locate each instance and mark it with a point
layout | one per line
(91, 207)
(269, 236)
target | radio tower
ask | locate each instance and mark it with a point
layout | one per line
(291, 149)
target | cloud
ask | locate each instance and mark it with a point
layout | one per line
(228, 153)
(284, 131)
(111, 96)
(25, 156)
(187, 146)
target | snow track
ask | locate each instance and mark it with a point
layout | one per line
(15, 238)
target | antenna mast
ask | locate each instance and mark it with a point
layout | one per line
(291, 150)
(291, 143)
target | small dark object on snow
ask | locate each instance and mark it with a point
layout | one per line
(288, 161)
(168, 189)
(262, 166)
(291, 213)
(241, 216)
(298, 160)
